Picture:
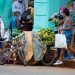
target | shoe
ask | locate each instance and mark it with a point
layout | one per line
(58, 63)
(74, 59)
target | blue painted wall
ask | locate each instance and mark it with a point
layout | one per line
(40, 14)
(43, 9)
(5, 11)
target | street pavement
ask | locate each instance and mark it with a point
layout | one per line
(34, 70)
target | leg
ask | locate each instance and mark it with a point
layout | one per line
(65, 53)
(69, 42)
(61, 54)
(58, 51)
(60, 58)
(72, 41)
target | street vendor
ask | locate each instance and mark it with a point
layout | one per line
(67, 31)
(27, 29)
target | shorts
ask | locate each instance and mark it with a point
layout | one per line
(68, 38)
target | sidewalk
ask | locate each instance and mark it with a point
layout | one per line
(68, 64)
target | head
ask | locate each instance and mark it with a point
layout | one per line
(20, 1)
(70, 6)
(31, 5)
(14, 13)
(66, 12)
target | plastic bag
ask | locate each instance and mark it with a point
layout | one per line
(7, 35)
(60, 41)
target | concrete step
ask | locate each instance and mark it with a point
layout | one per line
(67, 64)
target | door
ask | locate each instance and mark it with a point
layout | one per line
(40, 14)
(43, 10)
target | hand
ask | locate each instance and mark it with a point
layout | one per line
(60, 29)
(62, 32)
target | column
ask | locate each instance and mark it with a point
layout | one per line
(40, 14)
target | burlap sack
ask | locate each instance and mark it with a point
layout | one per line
(29, 52)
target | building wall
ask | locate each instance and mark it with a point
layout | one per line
(64, 2)
(43, 9)
(40, 14)
(5, 11)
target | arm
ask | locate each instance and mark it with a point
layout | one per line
(17, 22)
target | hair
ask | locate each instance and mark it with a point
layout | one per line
(66, 11)
(31, 4)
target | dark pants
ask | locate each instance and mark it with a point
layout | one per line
(59, 51)
(0, 44)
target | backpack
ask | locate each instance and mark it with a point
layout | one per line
(26, 16)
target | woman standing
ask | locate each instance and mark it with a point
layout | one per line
(67, 30)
